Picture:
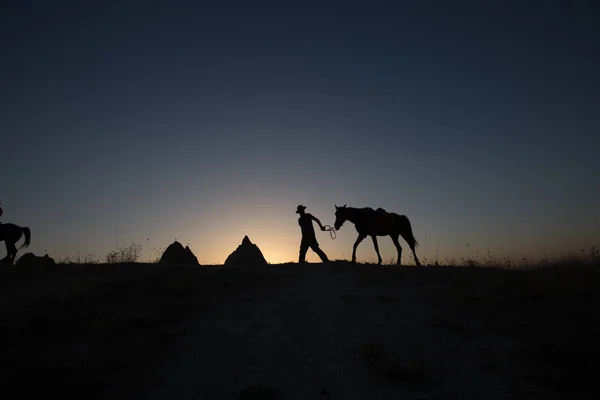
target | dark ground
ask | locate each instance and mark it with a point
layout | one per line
(331, 331)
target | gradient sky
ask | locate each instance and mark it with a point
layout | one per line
(207, 121)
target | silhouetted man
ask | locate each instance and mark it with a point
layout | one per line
(309, 238)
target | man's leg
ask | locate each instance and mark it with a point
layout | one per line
(315, 247)
(303, 250)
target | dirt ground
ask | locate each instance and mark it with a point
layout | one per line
(319, 331)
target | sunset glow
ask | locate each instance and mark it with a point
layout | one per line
(205, 123)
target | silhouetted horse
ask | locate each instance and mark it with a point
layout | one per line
(369, 222)
(11, 234)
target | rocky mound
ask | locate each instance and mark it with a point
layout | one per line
(246, 254)
(31, 260)
(177, 254)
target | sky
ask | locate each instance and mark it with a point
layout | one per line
(153, 121)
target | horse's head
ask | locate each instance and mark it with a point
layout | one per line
(341, 215)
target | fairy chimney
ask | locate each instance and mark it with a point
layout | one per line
(246, 254)
(177, 254)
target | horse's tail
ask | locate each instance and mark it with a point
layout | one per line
(406, 231)
(27, 234)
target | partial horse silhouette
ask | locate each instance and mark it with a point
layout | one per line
(369, 222)
(10, 234)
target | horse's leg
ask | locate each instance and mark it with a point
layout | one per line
(407, 234)
(412, 247)
(11, 252)
(7, 251)
(398, 247)
(376, 249)
(359, 239)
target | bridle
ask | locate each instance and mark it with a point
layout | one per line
(331, 231)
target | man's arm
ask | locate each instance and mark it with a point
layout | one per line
(317, 221)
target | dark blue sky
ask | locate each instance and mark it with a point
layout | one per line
(207, 121)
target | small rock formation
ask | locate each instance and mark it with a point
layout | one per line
(246, 254)
(31, 260)
(177, 254)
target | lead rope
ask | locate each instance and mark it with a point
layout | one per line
(331, 231)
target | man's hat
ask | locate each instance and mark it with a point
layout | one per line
(300, 208)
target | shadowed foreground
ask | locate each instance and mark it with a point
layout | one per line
(337, 331)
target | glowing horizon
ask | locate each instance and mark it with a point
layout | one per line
(278, 238)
